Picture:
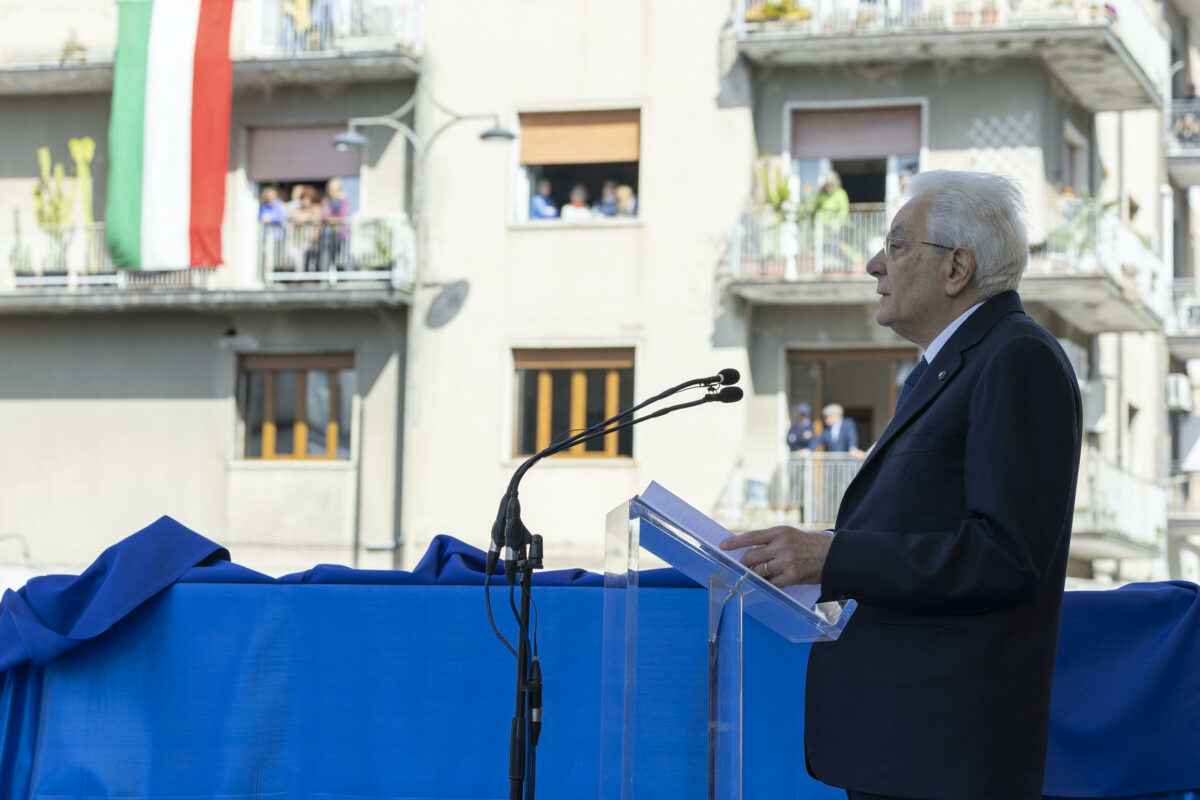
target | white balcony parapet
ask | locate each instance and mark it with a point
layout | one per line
(71, 33)
(1185, 319)
(802, 491)
(1124, 19)
(1183, 128)
(1117, 514)
(774, 248)
(1113, 503)
(364, 248)
(1082, 240)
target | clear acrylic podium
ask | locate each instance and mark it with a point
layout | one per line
(685, 539)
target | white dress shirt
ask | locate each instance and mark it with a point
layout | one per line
(943, 337)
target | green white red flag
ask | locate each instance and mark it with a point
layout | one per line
(169, 133)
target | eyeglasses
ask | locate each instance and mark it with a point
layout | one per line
(887, 244)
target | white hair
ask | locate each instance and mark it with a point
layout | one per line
(833, 409)
(985, 214)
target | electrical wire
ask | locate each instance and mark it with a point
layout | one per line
(487, 601)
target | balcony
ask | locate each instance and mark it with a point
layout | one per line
(367, 260)
(805, 492)
(1183, 142)
(1117, 515)
(1092, 269)
(1109, 54)
(58, 46)
(1183, 325)
(1183, 519)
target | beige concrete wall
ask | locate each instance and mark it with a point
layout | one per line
(111, 420)
(650, 284)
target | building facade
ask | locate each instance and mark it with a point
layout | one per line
(683, 149)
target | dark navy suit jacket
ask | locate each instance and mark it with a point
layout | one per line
(953, 539)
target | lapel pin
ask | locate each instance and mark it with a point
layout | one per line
(942, 375)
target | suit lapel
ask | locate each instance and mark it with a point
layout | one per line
(946, 365)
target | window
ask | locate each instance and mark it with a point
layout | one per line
(561, 391)
(296, 406)
(579, 166)
(873, 151)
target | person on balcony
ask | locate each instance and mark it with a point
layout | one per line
(335, 213)
(840, 435)
(305, 239)
(606, 206)
(831, 205)
(541, 205)
(800, 436)
(953, 536)
(578, 209)
(271, 216)
(626, 201)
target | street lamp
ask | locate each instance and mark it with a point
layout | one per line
(352, 139)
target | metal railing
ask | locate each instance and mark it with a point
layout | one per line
(360, 249)
(274, 29)
(61, 255)
(57, 33)
(810, 489)
(1082, 238)
(801, 491)
(870, 17)
(771, 246)
(1183, 128)
(1113, 501)
(1186, 317)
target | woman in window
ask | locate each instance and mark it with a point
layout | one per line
(577, 209)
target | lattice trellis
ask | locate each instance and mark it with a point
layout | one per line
(1007, 144)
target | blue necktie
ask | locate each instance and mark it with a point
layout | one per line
(910, 382)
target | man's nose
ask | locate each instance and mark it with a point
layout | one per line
(877, 266)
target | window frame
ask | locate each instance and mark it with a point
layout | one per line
(578, 361)
(524, 185)
(300, 363)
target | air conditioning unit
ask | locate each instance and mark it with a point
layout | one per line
(1179, 392)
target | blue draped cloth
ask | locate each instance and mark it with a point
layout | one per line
(1125, 716)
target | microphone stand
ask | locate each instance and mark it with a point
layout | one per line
(519, 564)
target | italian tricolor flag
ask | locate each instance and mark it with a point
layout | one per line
(169, 133)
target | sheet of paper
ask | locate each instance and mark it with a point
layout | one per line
(674, 509)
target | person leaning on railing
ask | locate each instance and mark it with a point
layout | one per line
(305, 220)
(335, 210)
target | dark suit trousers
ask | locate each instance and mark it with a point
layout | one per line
(865, 796)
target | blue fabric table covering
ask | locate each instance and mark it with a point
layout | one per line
(340, 683)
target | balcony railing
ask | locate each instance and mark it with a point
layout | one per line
(802, 491)
(1114, 503)
(819, 18)
(1186, 317)
(1082, 239)
(65, 33)
(361, 249)
(1183, 128)
(1117, 514)
(766, 246)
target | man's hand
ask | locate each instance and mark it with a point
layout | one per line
(783, 555)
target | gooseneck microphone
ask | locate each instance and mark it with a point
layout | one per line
(522, 553)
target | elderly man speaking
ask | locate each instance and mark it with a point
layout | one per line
(953, 537)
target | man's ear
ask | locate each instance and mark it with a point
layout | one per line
(959, 271)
